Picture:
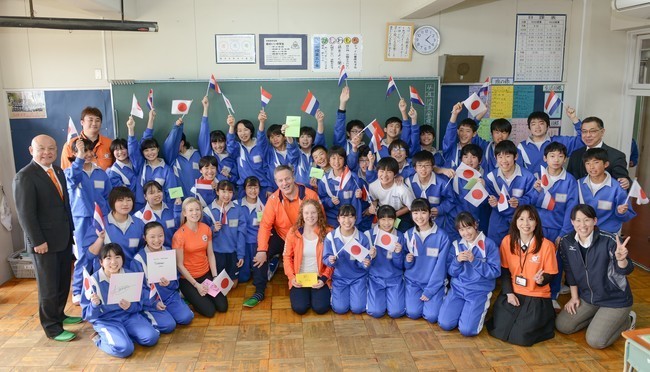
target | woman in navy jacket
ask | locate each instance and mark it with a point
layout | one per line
(596, 266)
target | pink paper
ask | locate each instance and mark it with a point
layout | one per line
(212, 288)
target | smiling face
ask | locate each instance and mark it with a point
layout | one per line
(310, 215)
(398, 153)
(471, 161)
(596, 168)
(244, 134)
(364, 163)
(277, 140)
(154, 196)
(386, 224)
(393, 130)
(421, 219)
(386, 177)
(225, 196)
(506, 162)
(43, 150)
(286, 182)
(155, 237)
(526, 224)
(209, 172)
(426, 139)
(121, 154)
(320, 158)
(583, 225)
(87, 155)
(252, 191)
(469, 233)
(151, 153)
(192, 212)
(347, 222)
(538, 128)
(91, 125)
(498, 136)
(218, 147)
(592, 134)
(305, 141)
(465, 135)
(112, 263)
(337, 162)
(424, 169)
(123, 206)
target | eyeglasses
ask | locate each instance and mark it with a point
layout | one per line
(591, 131)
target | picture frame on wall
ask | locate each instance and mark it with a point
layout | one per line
(235, 48)
(283, 51)
(399, 41)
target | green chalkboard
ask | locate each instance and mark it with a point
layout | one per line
(367, 102)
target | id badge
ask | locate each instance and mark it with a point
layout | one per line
(520, 280)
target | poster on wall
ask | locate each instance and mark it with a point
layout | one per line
(234, 48)
(399, 38)
(539, 47)
(26, 104)
(330, 51)
(283, 52)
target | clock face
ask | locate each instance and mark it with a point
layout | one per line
(426, 40)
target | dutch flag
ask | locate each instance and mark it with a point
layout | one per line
(98, 219)
(483, 90)
(376, 135)
(266, 97)
(552, 103)
(391, 86)
(150, 99)
(212, 84)
(72, 130)
(343, 75)
(310, 105)
(415, 96)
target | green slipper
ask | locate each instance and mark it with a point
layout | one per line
(65, 336)
(72, 320)
(251, 302)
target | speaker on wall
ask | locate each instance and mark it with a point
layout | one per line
(460, 69)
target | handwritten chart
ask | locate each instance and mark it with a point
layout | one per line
(329, 52)
(539, 47)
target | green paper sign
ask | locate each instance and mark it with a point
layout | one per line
(259, 216)
(293, 126)
(316, 173)
(470, 184)
(397, 222)
(176, 192)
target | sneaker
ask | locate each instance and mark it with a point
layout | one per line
(632, 320)
(76, 299)
(65, 336)
(556, 306)
(251, 302)
(72, 320)
(565, 289)
(273, 266)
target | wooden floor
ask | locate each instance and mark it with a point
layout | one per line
(272, 337)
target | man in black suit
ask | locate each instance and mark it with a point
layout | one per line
(592, 135)
(44, 213)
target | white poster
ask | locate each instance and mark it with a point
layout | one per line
(161, 265)
(539, 47)
(278, 52)
(26, 104)
(126, 286)
(330, 51)
(235, 48)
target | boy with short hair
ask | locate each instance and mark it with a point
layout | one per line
(427, 140)
(457, 136)
(532, 148)
(214, 144)
(386, 191)
(299, 152)
(205, 186)
(605, 195)
(518, 183)
(399, 151)
(500, 130)
(366, 173)
(182, 157)
(277, 152)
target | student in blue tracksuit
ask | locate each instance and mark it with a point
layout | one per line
(157, 210)
(173, 309)
(228, 230)
(87, 184)
(204, 186)
(531, 150)
(350, 135)
(385, 279)
(299, 151)
(252, 207)
(366, 174)
(427, 138)
(432, 187)
(350, 278)
(122, 173)
(121, 227)
(277, 151)
(471, 156)
(518, 183)
(319, 154)
(425, 264)
(119, 325)
(474, 266)
(399, 150)
(153, 168)
(330, 192)
(457, 136)
(182, 157)
(249, 151)
(214, 144)
(605, 195)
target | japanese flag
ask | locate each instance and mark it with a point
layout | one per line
(136, 110)
(549, 202)
(90, 284)
(181, 107)
(477, 194)
(480, 243)
(386, 240)
(474, 105)
(637, 192)
(228, 104)
(153, 291)
(545, 179)
(72, 130)
(503, 199)
(147, 214)
(356, 250)
(466, 172)
(413, 245)
(223, 282)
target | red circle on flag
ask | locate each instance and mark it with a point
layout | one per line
(182, 106)
(475, 104)
(643, 194)
(225, 282)
(502, 198)
(147, 215)
(385, 239)
(86, 283)
(477, 194)
(355, 250)
(468, 173)
(544, 180)
(481, 244)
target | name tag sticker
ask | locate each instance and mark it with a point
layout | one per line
(161, 181)
(257, 159)
(432, 252)
(520, 280)
(233, 223)
(133, 242)
(99, 184)
(195, 166)
(517, 193)
(434, 200)
(605, 205)
(347, 194)
(560, 198)
(170, 224)
(225, 169)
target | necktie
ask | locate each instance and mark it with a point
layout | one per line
(50, 172)
(224, 214)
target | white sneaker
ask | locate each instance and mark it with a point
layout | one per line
(632, 320)
(76, 299)
(565, 290)
(556, 306)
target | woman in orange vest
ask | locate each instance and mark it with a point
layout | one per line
(302, 255)
(523, 313)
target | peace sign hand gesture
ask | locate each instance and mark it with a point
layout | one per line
(621, 249)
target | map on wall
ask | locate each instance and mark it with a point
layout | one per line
(539, 47)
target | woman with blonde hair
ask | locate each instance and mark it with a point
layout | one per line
(302, 253)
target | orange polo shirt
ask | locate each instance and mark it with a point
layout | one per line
(102, 150)
(527, 265)
(194, 245)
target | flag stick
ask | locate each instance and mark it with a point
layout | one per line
(207, 91)
(346, 82)
(398, 93)
(182, 116)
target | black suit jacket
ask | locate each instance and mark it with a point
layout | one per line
(42, 214)
(617, 163)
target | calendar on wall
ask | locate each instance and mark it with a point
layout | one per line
(539, 47)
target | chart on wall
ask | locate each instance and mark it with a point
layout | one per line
(330, 51)
(539, 47)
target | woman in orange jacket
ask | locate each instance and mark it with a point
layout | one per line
(302, 253)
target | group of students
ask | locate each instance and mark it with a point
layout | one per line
(410, 207)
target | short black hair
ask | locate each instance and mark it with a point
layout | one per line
(398, 143)
(337, 150)
(465, 219)
(388, 164)
(111, 247)
(596, 153)
(363, 150)
(225, 185)
(347, 210)
(501, 125)
(309, 131)
(275, 129)
(217, 136)
(186, 144)
(541, 115)
(149, 143)
(118, 144)
(472, 149)
(555, 146)
(151, 184)
(208, 160)
(393, 119)
(422, 157)
(88, 146)
(386, 211)
(354, 124)
(247, 124)
(251, 181)
(420, 205)
(585, 209)
(318, 147)
(152, 225)
(427, 129)
(471, 123)
(594, 119)
(119, 193)
(507, 147)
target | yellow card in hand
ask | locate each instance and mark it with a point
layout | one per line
(293, 126)
(307, 279)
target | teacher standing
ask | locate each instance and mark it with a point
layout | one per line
(44, 214)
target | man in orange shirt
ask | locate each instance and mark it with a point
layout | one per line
(280, 213)
(91, 123)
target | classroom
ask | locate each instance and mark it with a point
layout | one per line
(591, 60)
